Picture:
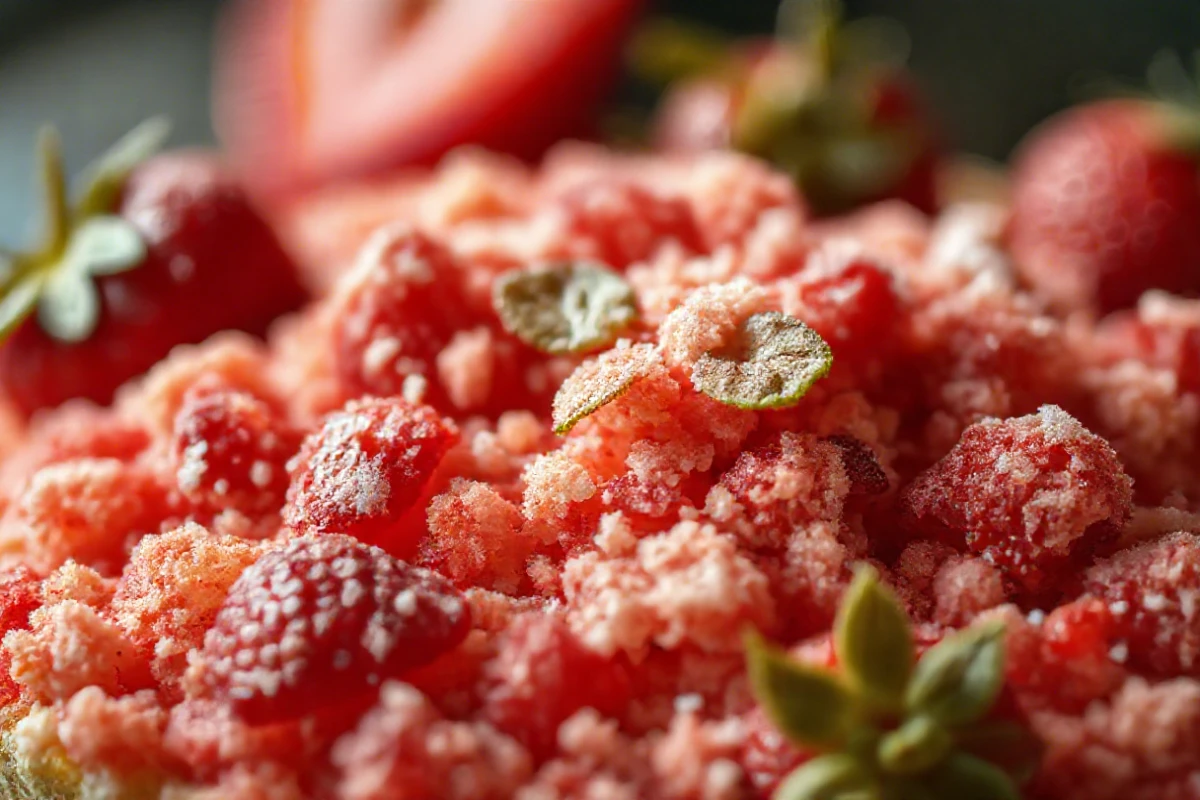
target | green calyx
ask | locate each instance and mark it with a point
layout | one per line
(891, 725)
(82, 240)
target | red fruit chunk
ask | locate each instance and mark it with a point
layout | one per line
(398, 314)
(620, 223)
(1164, 333)
(851, 303)
(322, 620)
(1105, 206)
(862, 466)
(367, 465)
(1032, 495)
(541, 675)
(231, 451)
(20, 595)
(192, 284)
(1151, 592)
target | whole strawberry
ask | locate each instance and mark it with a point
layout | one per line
(829, 103)
(154, 253)
(1106, 204)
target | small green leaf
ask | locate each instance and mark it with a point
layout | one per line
(598, 382)
(873, 640)
(914, 747)
(105, 178)
(105, 245)
(773, 362)
(809, 705)
(572, 308)
(666, 50)
(829, 777)
(964, 776)
(958, 679)
(69, 307)
(1006, 744)
(51, 177)
(18, 302)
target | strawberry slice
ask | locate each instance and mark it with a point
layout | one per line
(309, 91)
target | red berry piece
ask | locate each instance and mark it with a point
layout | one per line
(1032, 495)
(851, 302)
(541, 675)
(364, 468)
(177, 280)
(1163, 332)
(231, 451)
(397, 315)
(862, 466)
(620, 223)
(1104, 207)
(20, 596)
(320, 620)
(1151, 593)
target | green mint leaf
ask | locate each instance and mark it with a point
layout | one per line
(772, 363)
(829, 777)
(963, 776)
(569, 308)
(598, 382)
(69, 307)
(18, 302)
(105, 245)
(873, 640)
(958, 679)
(809, 705)
(105, 178)
(51, 177)
(1006, 744)
(914, 747)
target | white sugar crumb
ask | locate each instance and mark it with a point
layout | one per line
(688, 703)
(1119, 652)
(414, 388)
(262, 473)
(192, 466)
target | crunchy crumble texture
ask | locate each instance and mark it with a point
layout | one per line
(582, 635)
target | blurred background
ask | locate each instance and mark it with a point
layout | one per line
(992, 68)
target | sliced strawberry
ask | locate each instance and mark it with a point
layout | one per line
(315, 90)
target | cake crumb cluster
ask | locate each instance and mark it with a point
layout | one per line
(403, 550)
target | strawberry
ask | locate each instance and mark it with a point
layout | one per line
(823, 101)
(365, 468)
(320, 621)
(155, 253)
(309, 91)
(231, 450)
(1105, 205)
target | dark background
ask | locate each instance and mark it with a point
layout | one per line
(992, 68)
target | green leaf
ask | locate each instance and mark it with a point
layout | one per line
(914, 747)
(958, 679)
(666, 50)
(829, 777)
(69, 307)
(18, 302)
(597, 383)
(873, 640)
(1006, 744)
(809, 705)
(569, 308)
(963, 776)
(105, 178)
(104, 245)
(772, 363)
(51, 177)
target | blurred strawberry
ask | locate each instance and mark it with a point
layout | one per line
(1106, 203)
(154, 253)
(830, 103)
(311, 91)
